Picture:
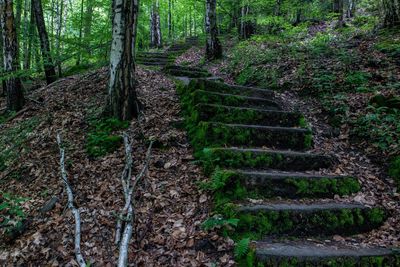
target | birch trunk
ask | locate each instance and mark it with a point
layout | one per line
(44, 42)
(155, 26)
(122, 101)
(213, 45)
(15, 99)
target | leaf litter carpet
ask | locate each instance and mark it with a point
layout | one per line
(170, 207)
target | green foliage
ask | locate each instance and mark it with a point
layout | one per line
(11, 213)
(357, 80)
(218, 222)
(12, 141)
(381, 126)
(394, 170)
(242, 248)
(100, 140)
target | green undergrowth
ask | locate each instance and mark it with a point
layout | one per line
(101, 139)
(394, 170)
(11, 215)
(13, 141)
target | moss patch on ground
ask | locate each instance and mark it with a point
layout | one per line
(101, 140)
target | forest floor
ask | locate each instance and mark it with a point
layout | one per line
(170, 208)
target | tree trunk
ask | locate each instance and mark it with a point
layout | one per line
(27, 32)
(247, 27)
(78, 61)
(44, 42)
(122, 101)
(155, 26)
(15, 97)
(2, 82)
(338, 8)
(169, 20)
(351, 8)
(60, 12)
(87, 31)
(391, 9)
(213, 45)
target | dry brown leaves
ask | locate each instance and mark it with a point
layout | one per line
(170, 207)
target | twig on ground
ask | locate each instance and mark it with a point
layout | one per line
(128, 213)
(71, 206)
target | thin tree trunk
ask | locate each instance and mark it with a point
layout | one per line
(27, 36)
(278, 7)
(155, 26)
(213, 45)
(60, 12)
(169, 20)
(3, 82)
(122, 101)
(44, 42)
(15, 98)
(78, 61)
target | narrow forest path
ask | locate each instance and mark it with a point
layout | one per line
(266, 179)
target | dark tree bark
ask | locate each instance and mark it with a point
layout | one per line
(2, 82)
(213, 45)
(338, 8)
(14, 91)
(122, 101)
(391, 9)
(351, 8)
(78, 60)
(155, 26)
(49, 69)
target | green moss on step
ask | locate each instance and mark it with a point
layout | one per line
(231, 186)
(323, 222)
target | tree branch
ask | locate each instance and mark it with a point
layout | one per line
(129, 207)
(70, 205)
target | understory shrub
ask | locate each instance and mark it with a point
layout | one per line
(100, 139)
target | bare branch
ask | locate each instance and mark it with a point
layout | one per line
(71, 206)
(129, 207)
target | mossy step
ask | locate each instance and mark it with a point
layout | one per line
(304, 253)
(228, 114)
(162, 64)
(214, 134)
(239, 184)
(220, 87)
(155, 60)
(144, 56)
(188, 73)
(187, 68)
(152, 54)
(263, 159)
(200, 96)
(309, 219)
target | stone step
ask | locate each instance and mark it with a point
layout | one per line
(152, 55)
(200, 96)
(228, 114)
(170, 60)
(220, 87)
(214, 134)
(263, 159)
(306, 219)
(306, 253)
(188, 73)
(290, 185)
(161, 64)
(187, 68)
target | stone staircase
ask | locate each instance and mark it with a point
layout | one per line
(262, 174)
(167, 57)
